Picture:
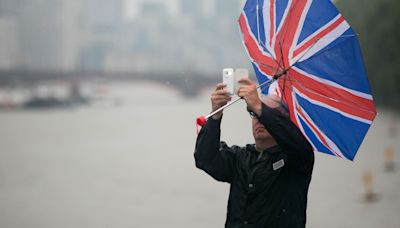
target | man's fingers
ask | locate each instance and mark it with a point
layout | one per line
(220, 86)
(218, 99)
(222, 92)
(246, 81)
(215, 97)
(243, 91)
(221, 103)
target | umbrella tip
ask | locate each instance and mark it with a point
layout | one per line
(201, 121)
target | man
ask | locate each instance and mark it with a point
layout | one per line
(269, 179)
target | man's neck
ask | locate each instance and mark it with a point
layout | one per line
(262, 145)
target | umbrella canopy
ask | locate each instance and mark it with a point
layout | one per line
(313, 55)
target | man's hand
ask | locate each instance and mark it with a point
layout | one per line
(248, 91)
(219, 98)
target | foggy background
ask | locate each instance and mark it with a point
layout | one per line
(98, 101)
(138, 36)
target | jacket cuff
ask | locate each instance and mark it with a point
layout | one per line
(268, 114)
(213, 125)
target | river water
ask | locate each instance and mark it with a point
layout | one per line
(130, 164)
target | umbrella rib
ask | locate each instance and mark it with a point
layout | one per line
(286, 19)
(292, 79)
(291, 66)
(316, 41)
(265, 65)
(276, 76)
(288, 76)
(281, 50)
(276, 61)
(330, 98)
(261, 43)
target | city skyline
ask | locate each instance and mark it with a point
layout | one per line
(121, 36)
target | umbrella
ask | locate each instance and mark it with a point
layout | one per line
(313, 57)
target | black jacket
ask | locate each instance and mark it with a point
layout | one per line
(267, 189)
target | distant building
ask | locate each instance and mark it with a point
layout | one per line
(138, 46)
(9, 53)
(46, 31)
(101, 16)
(98, 35)
(193, 8)
(228, 7)
(100, 24)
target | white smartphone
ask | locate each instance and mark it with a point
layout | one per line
(239, 74)
(228, 79)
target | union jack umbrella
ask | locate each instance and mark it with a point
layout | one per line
(313, 56)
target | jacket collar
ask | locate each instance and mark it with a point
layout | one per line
(268, 152)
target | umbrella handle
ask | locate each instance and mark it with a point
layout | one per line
(223, 107)
(202, 120)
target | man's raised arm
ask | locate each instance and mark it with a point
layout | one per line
(215, 158)
(282, 129)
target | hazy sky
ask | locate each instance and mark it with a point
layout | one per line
(132, 6)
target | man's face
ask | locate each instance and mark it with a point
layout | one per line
(259, 131)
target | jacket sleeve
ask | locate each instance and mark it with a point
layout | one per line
(213, 156)
(289, 137)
